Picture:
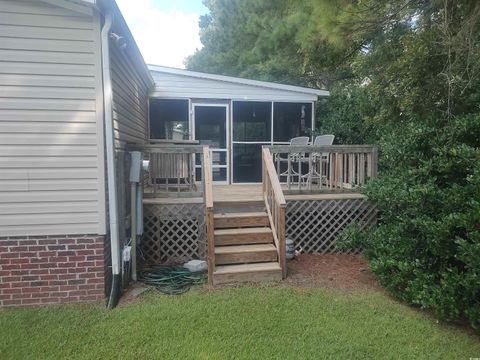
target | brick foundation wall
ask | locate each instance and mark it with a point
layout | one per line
(52, 269)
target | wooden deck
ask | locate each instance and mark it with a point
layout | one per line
(250, 193)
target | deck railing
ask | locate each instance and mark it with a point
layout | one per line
(172, 168)
(275, 204)
(208, 195)
(325, 168)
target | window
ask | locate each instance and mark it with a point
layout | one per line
(169, 119)
(252, 121)
(291, 120)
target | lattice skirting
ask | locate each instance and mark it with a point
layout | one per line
(174, 233)
(315, 224)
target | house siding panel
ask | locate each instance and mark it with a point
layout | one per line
(51, 147)
(130, 99)
(182, 86)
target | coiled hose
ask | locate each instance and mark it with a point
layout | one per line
(172, 280)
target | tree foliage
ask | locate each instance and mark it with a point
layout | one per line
(406, 76)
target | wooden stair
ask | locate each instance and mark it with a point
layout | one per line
(244, 247)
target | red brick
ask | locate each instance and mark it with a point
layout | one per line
(30, 266)
(11, 302)
(37, 248)
(19, 272)
(87, 275)
(85, 241)
(87, 287)
(57, 247)
(76, 247)
(86, 264)
(68, 287)
(38, 260)
(58, 282)
(47, 241)
(58, 259)
(76, 281)
(48, 266)
(29, 242)
(58, 271)
(86, 252)
(29, 301)
(9, 242)
(12, 291)
(17, 284)
(76, 258)
(66, 265)
(11, 267)
(68, 241)
(49, 289)
(77, 293)
(30, 290)
(21, 248)
(9, 255)
(49, 300)
(39, 272)
(47, 253)
(67, 253)
(19, 261)
(30, 277)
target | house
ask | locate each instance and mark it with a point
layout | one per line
(78, 104)
(73, 92)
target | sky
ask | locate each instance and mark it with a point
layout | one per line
(166, 31)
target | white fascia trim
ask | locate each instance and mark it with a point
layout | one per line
(231, 79)
(78, 6)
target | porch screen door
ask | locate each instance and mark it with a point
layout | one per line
(211, 128)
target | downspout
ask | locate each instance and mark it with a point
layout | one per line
(111, 168)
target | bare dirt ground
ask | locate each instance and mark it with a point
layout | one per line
(333, 271)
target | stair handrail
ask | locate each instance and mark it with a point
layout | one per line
(275, 204)
(208, 198)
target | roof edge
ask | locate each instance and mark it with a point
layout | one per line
(238, 80)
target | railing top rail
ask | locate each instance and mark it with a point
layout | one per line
(207, 171)
(318, 149)
(168, 148)
(272, 174)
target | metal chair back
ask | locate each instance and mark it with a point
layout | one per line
(322, 140)
(300, 140)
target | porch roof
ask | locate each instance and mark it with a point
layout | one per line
(172, 82)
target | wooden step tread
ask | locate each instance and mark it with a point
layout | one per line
(247, 268)
(242, 231)
(240, 215)
(227, 220)
(244, 248)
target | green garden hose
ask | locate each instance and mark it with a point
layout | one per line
(172, 280)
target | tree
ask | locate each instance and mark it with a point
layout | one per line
(406, 76)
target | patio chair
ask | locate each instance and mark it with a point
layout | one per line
(319, 161)
(291, 158)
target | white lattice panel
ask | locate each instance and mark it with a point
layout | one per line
(174, 233)
(315, 224)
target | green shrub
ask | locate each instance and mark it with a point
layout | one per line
(426, 247)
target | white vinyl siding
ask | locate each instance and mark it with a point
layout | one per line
(51, 147)
(184, 86)
(130, 98)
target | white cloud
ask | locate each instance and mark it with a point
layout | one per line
(164, 38)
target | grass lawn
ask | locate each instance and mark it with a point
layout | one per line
(235, 323)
